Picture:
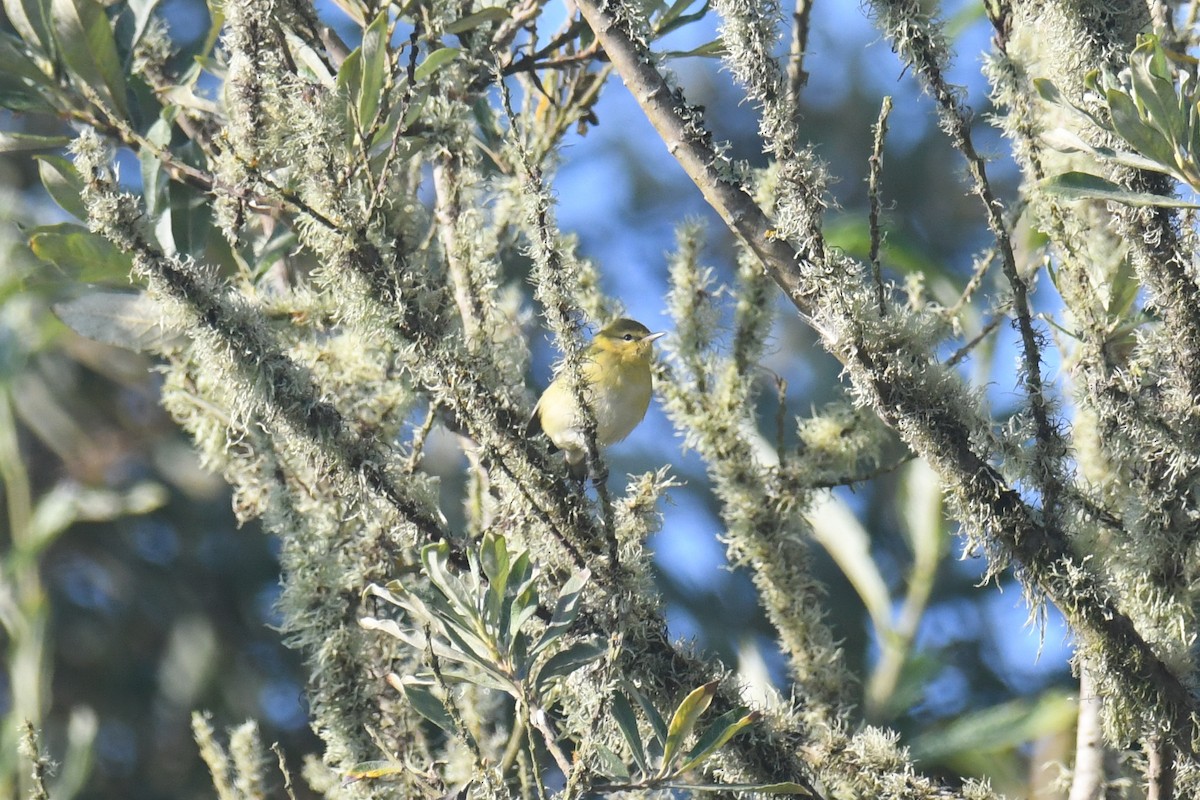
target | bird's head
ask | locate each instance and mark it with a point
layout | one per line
(627, 339)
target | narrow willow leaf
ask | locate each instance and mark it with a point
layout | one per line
(1130, 126)
(63, 184)
(525, 597)
(721, 731)
(87, 46)
(425, 703)
(435, 557)
(1065, 141)
(999, 727)
(493, 559)
(713, 49)
(390, 593)
(16, 64)
(478, 19)
(435, 61)
(657, 724)
(1082, 186)
(349, 83)
(675, 18)
(522, 608)
(568, 661)
(15, 142)
(122, 319)
(683, 721)
(613, 764)
(391, 628)
(565, 610)
(374, 71)
(31, 19)
(81, 254)
(479, 650)
(627, 722)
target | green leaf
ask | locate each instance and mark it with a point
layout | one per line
(374, 71)
(523, 606)
(349, 84)
(713, 49)
(78, 252)
(63, 184)
(1154, 88)
(1065, 141)
(15, 142)
(1082, 186)
(627, 722)
(721, 731)
(1000, 727)
(565, 611)
(435, 61)
(674, 17)
(16, 63)
(613, 764)
(31, 18)
(87, 47)
(434, 557)
(132, 321)
(478, 19)
(684, 720)
(425, 703)
(1048, 91)
(1129, 125)
(570, 660)
(493, 558)
(657, 725)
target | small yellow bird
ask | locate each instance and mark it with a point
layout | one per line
(616, 372)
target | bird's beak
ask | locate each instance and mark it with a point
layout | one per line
(653, 336)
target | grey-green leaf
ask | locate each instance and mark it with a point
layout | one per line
(427, 705)
(132, 321)
(374, 69)
(721, 731)
(63, 184)
(1082, 186)
(435, 61)
(15, 142)
(565, 610)
(87, 46)
(627, 722)
(478, 19)
(573, 658)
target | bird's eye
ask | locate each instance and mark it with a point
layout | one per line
(628, 337)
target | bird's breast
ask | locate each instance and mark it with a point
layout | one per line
(620, 403)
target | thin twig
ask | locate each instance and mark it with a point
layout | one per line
(797, 77)
(874, 173)
(418, 440)
(984, 332)
(283, 769)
